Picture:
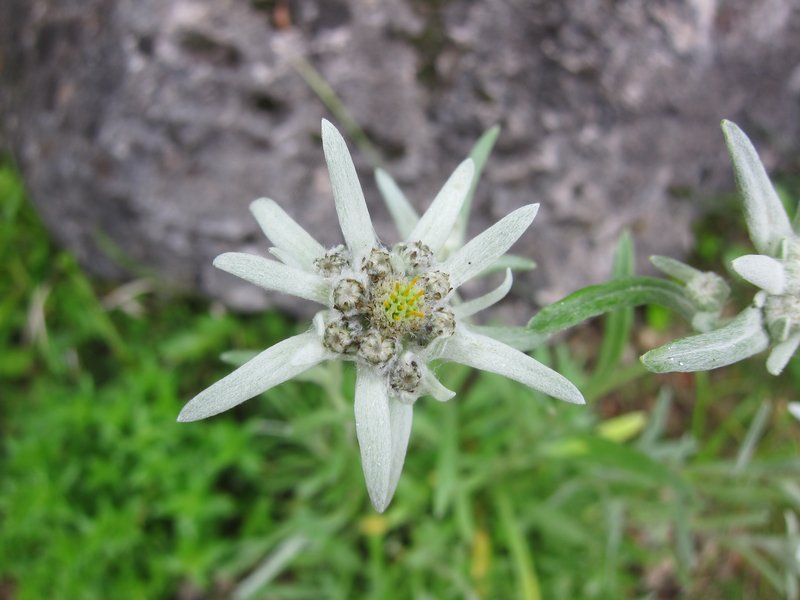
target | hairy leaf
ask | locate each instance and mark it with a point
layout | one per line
(741, 337)
(599, 299)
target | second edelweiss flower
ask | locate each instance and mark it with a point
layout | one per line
(776, 269)
(388, 309)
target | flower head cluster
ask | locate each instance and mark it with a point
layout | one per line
(390, 310)
(776, 269)
(705, 290)
(394, 301)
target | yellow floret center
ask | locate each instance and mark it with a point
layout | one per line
(404, 301)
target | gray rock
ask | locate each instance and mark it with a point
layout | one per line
(145, 127)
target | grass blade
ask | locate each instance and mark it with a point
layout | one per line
(618, 323)
(528, 582)
(754, 433)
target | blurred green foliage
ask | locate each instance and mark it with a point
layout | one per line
(663, 486)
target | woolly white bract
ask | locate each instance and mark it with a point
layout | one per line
(388, 309)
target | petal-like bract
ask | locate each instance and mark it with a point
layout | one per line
(275, 276)
(482, 250)
(273, 366)
(781, 353)
(286, 234)
(400, 419)
(432, 386)
(435, 226)
(469, 308)
(404, 215)
(479, 155)
(374, 432)
(349, 199)
(762, 271)
(487, 354)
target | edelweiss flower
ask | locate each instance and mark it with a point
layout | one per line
(776, 270)
(386, 308)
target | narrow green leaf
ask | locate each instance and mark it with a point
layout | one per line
(658, 420)
(740, 338)
(510, 261)
(591, 451)
(796, 219)
(674, 268)
(447, 463)
(331, 100)
(527, 580)
(615, 518)
(754, 433)
(704, 396)
(403, 213)
(479, 155)
(684, 546)
(745, 547)
(625, 256)
(733, 423)
(559, 524)
(595, 300)
(208, 334)
(270, 567)
(598, 387)
(618, 323)
(791, 556)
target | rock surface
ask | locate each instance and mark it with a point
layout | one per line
(145, 127)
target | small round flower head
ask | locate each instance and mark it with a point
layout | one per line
(416, 255)
(405, 375)
(708, 291)
(375, 348)
(348, 295)
(436, 284)
(338, 337)
(442, 323)
(333, 262)
(378, 265)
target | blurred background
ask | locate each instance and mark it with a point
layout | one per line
(134, 135)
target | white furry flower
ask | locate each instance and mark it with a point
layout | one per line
(385, 308)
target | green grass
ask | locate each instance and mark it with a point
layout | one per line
(662, 487)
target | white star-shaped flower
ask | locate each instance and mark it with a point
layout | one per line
(387, 309)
